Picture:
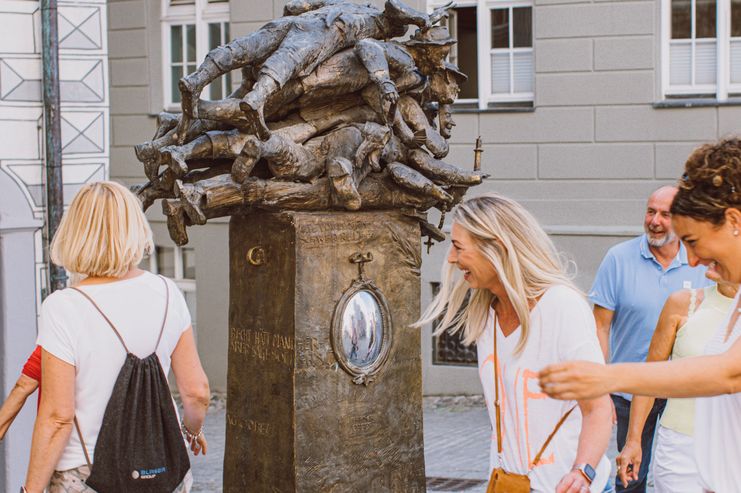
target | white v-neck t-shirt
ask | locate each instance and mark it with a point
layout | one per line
(718, 424)
(562, 328)
(71, 329)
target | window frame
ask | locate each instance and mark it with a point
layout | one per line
(199, 13)
(484, 50)
(511, 51)
(723, 86)
(186, 285)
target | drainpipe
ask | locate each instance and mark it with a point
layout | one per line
(52, 137)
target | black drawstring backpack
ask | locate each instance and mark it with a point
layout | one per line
(140, 447)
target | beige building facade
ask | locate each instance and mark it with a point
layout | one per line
(583, 107)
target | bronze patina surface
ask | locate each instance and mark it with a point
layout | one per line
(296, 420)
(335, 111)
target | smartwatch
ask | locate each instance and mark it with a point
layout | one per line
(587, 471)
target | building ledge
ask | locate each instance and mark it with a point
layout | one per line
(696, 103)
(590, 230)
(517, 107)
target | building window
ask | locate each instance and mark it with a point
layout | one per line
(190, 29)
(182, 55)
(701, 48)
(512, 52)
(495, 50)
(449, 349)
(218, 35)
(179, 264)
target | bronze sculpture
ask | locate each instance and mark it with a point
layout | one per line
(331, 113)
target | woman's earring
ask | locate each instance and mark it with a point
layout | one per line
(735, 232)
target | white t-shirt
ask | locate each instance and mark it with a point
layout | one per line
(561, 328)
(71, 329)
(718, 425)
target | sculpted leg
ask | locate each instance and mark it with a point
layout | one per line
(416, 182)
(176, 156)
(342, 184)
(253, 105)
(247, 50)
(245, 162)
(440, 170)
(190, 199)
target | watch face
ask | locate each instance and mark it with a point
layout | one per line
(589, 471)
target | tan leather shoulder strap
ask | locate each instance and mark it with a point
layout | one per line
(497, 404)
(553, 434)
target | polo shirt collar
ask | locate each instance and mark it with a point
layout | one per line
(679, 260)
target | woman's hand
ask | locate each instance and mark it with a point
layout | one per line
(575, 380)
(573, 482)
(629, 461)
(199, 445)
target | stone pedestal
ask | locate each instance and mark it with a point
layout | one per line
(297, 420)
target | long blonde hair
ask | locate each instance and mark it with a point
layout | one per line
(522, 254)
(104, 233)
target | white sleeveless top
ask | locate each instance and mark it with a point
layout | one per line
(718, 426)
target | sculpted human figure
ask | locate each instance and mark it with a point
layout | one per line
(351, 153)
(445, 120)
(294, 46)
(331, 113)
(291, 151)
(381, 69)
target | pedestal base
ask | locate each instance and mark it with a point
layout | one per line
(296, 422)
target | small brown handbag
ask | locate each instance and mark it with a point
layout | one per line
(500, 480)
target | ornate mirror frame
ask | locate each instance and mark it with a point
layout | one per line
(362, 375)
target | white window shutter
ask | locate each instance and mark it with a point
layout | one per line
(705, 62)
(735, 61)
(680, 69)
(523, 71)
(500, 73)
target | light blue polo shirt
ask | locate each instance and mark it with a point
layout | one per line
(634, 285)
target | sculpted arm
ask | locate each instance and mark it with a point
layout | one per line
(373, 56)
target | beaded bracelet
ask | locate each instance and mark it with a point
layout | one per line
(189, 435)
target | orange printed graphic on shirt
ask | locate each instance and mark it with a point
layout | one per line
(528, 375)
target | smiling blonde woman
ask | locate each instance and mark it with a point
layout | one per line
(516, 302)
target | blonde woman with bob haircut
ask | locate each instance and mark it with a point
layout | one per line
(101, 239)
(516, 302)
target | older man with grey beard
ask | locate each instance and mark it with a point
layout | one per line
(632, 284)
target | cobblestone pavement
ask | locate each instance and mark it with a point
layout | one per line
(456, 434)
